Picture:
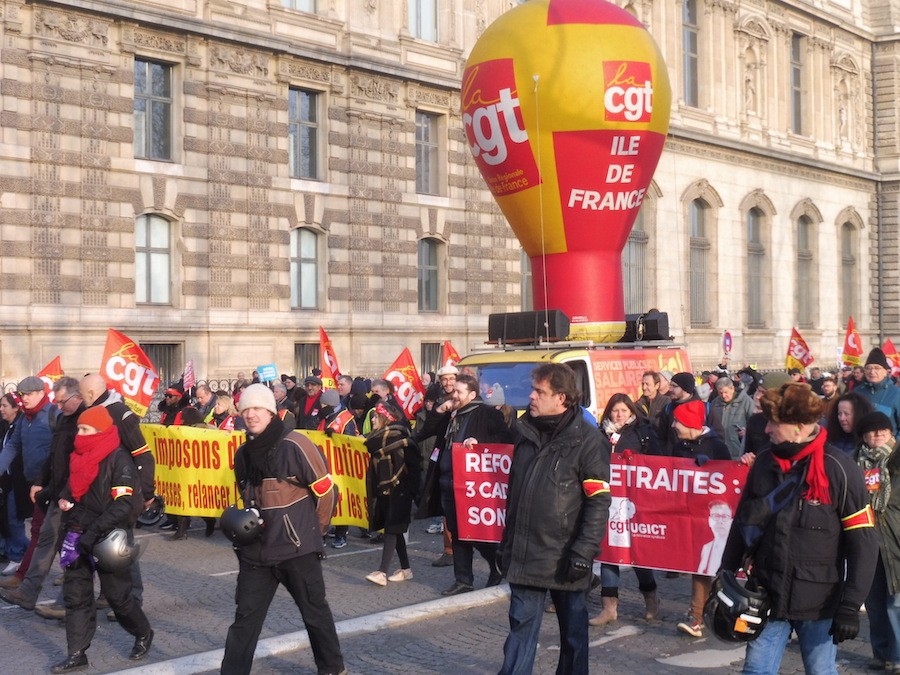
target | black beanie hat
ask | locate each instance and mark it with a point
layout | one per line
(685, 381)
(877, 358)
(873, 421)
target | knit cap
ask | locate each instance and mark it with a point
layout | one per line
(96, 417)
(691, 414)
(258, 396)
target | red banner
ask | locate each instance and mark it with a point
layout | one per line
(852, 354)
(127, 370)
(669, 513)
(188, 379)
(408, 388)
(798, 355)
(449, 355)
(50, 374)
(328, 361)
(480, 478)
(666, 513)
(890, 351)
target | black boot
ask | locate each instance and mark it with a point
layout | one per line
(210, 526)
(75, 661)
(141, 647)
(181, 531)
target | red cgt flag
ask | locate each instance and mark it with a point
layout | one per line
(328, 361)
(890, 351)
(798, 355)
(449, 357)
(128, 370)
(188, 379)
(50, 374)
(852, 353)
(408, 388)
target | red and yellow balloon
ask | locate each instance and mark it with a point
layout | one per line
(566, 108)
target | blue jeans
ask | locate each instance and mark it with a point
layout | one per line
(818, 651)
(526, 609)
(884, 617)
(609, 580)
(17, 541)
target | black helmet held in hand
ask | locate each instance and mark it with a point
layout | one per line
(153, 513)
(113, 552)
(241, 526)
(735, 612)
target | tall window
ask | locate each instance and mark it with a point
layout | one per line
(152, 110)
(690, 35)
(428, 275)
(849, 296)
(304, 269)
(797, 42)
(805, 277)
(431, 356)
(152, 260)
(634, 268)
(306, 357)
(302, 5)
(756, 260)
(303, 132)
(700, 247)
(526, 289)
(426, 153)
(423, 19)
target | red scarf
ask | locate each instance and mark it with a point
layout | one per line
(816, 478)
(84, 463)
(31, 412)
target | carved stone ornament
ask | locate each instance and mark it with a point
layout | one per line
(162, 43)
(71, 27)
(439, 98)
(305, 71)
(371, 6)
(373, 88)
(238, 61)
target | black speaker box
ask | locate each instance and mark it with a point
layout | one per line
(528, 327)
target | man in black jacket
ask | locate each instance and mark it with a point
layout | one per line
(47, 488)
(556, 515)
(471, 422)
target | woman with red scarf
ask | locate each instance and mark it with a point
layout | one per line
(805, 530)
(99, 498)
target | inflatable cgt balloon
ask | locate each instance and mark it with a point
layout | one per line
(566, 106)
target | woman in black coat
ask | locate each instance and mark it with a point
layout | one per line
(625, 429)
(392, 482)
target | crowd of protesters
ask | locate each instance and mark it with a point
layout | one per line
(717, 415)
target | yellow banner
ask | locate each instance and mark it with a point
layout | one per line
(195, 470)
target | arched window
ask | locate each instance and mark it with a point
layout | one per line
(304, 269)
(152, 260)
(525, 288)
(634, 268)
(429, 275)
(699, 262)
(756, 261)
(849, 272)
(805, 282)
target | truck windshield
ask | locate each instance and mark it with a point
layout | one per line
(515, 378)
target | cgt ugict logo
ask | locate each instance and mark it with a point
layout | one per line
(629, 91)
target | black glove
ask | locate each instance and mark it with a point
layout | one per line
(845, 625)
(578, 569)
(329, 432)
(86, 542)
(701, 459)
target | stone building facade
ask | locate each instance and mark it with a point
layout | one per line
(219, 178)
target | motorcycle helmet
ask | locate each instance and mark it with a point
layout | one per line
(241, 526)
(113, 552)
(153, 513)
(736, 610)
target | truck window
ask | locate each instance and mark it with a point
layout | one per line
(581, 377)
(515, 378)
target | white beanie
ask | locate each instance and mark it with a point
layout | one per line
(257, 396)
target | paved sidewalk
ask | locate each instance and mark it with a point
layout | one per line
(402, 628)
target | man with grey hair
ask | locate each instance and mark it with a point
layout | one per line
(206, 402)
(284, 405)
(45, 492)
(728, 415)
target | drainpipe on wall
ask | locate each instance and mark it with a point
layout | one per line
(879, 238)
